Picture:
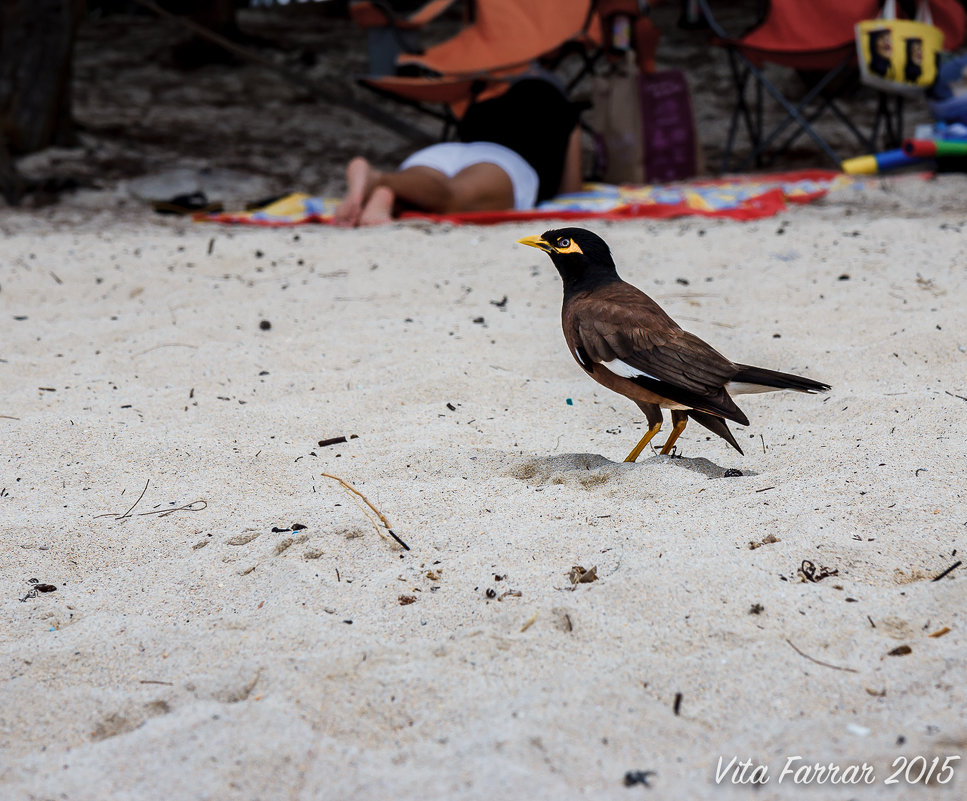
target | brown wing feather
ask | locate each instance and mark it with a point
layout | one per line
(619, 321)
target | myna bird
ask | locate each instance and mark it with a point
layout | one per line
(624, 341)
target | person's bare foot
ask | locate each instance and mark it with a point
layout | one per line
(360, 179)
(379, 207)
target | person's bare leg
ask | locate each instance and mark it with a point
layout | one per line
(420, 187)
(379, 208)
(571, 177)
(481, 187)
(360, 180)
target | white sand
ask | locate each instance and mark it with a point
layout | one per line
(198, 655)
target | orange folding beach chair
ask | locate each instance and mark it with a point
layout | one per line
(392, 28)
(504, 40)
(815, 38)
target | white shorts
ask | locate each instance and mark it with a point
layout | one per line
(453, 157)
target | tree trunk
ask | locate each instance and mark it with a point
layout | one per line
(11, 182)
(36, 44)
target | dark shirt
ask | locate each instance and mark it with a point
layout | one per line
(534, 119)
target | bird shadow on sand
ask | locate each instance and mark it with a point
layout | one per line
(590, 469)
(706, 467)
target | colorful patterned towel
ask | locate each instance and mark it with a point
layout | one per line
(739, 198)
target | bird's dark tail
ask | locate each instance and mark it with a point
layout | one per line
(716, 425)
(774, 379)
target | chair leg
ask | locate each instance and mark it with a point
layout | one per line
(783, 146)
(899, 118)
(894, 122)
(590, 61)
(759, 122)
(890, 119)
(753, 115)
(828, 103)
(794, 113)
(875, 133)
(740, 78)
(867, 142)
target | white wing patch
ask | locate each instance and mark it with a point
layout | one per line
(625, 370)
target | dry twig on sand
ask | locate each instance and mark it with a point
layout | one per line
(948, 571)
(820, 662)
(382, 518)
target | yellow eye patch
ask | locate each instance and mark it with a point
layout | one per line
(565, 245)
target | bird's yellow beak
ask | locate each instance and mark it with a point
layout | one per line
(535, 242)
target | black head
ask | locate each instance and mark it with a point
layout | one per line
(582, 258)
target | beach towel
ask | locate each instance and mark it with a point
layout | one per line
(746, 197)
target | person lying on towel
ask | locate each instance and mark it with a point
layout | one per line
(516, 150)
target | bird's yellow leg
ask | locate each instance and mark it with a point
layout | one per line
(676, 431)
(636, 451)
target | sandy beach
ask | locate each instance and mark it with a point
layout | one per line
(193, 610)
(193, 650)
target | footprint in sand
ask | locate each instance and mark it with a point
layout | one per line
(255, 547)
(580, 470)
(252, 547)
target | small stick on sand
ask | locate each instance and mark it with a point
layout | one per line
(950, 569)
(165, 345)
(819, 662)
(128, 513)
(188, 507)
(194, 506)
(379, 514)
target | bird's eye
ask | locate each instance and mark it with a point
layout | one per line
(564, 242)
